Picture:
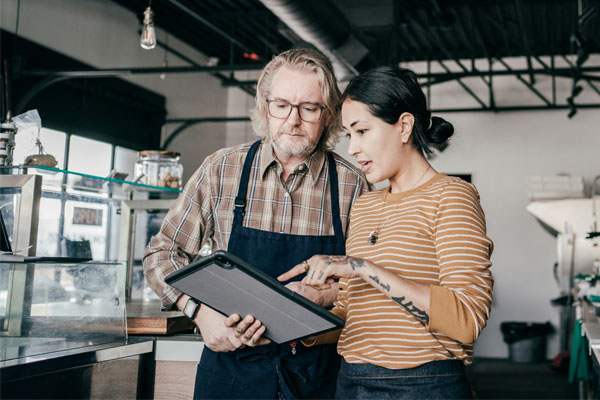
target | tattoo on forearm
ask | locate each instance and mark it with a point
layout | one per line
(375, 279)
(410, 307)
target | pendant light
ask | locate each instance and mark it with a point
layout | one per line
(148, 38)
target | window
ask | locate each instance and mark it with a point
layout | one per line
(52, 141)
(125, 161)
(89, 156)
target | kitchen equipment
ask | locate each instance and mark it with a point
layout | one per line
(7, 143)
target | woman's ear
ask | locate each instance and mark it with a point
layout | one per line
(405, 124)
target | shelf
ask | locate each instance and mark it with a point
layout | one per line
(57, 179)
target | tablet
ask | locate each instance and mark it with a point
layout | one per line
(229, 285)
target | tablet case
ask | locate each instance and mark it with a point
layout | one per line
(229, 285)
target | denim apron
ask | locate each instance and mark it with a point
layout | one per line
(273, 371)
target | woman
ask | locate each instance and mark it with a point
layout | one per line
(415, 287)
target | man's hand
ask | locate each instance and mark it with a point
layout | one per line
(249, 331)
(231, 333)
(216, 334)
(322, 297)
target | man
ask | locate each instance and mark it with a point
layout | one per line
(273, 203)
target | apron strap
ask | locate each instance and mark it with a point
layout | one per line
(335, 200)
(239, 208)
(240, 200)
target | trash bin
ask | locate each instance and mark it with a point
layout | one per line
(526, 340)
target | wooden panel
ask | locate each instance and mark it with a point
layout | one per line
(115, 379)
(174, 380)
(146, 318)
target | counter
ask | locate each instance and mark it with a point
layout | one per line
(76, 369)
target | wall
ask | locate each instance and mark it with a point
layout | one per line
(104, 35)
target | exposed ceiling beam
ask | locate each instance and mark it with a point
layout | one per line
(441, 77)
(196, 16)
(108, 72)
(588, 79)
(248, 89)
(465, 87)
(530, 86)
(516, 108)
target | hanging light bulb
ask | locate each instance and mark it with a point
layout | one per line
(162, 76)
(148, 39)
(165, 63)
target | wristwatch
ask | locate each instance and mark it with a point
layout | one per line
(191, 308)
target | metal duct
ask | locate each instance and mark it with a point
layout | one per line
(320, 23)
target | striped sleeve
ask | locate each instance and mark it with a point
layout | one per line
(187, 224)
(460, 306)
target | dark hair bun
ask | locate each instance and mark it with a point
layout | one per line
(439, 133)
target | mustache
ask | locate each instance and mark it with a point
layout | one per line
(293, 131)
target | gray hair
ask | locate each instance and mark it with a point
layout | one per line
(303, 60)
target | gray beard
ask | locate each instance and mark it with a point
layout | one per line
(296, 151)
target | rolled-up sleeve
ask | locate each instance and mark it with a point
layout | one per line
(188, 223)
(460, 305)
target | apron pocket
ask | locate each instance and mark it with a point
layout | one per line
(213, 384)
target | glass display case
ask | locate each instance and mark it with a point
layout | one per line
(49, 307)
(53, 212)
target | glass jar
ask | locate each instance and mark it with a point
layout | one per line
(159, 168)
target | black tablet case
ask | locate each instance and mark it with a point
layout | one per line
(229, 285)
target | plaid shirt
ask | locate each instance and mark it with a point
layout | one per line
(204, 211)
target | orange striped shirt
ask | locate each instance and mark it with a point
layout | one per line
(434, 234)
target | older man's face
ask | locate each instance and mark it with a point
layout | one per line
(291, 136)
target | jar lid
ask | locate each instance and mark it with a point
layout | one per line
(160, 153)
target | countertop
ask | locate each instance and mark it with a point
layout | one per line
(29, 357)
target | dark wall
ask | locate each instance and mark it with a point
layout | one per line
(108, 109)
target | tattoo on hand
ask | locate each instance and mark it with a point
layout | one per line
(410, 307)
(375, 279)
(354, 262)
(321, 276)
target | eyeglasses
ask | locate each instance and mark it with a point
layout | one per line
(308, 112)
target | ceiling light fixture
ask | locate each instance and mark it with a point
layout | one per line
(148, 38)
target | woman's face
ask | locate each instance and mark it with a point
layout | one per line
(377, 146)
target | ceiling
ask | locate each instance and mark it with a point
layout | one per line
(390, 31)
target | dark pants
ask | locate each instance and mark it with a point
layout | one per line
(434, 380)
(268, 372)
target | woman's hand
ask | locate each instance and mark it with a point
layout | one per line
(321, 296)
(322, 270)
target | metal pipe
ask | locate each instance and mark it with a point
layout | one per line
(332, 36)
(112, 72)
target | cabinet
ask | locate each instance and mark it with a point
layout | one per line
(67, 338)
